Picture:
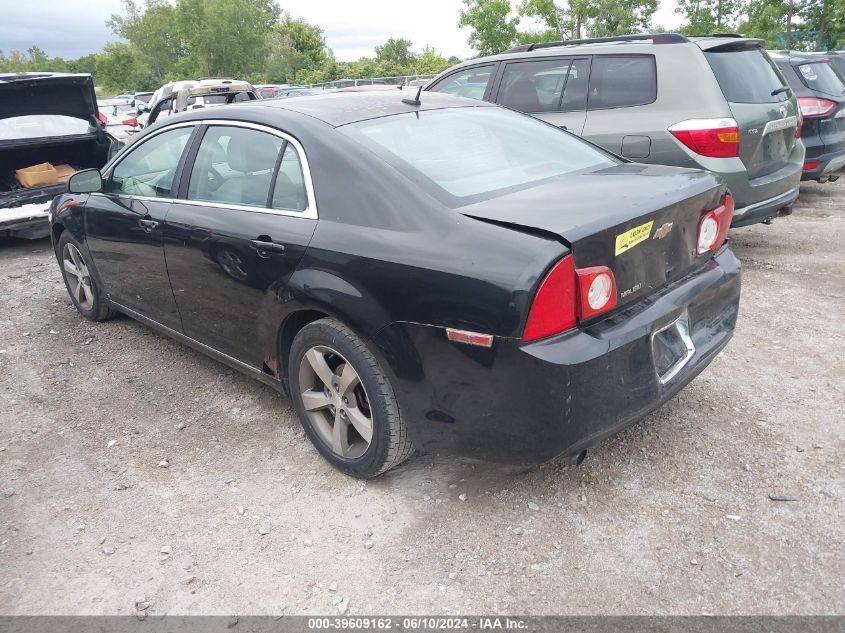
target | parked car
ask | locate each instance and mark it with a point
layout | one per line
(140, 99)
(118, 117)
(206, 93)
(219, 85)
(269, 91)
(716, 103)
(443, 274)
(820, 89)
(49, 127)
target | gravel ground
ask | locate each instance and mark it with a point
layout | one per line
(138, 474)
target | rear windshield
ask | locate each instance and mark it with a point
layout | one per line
(747, 76)
(40, 126)
(472, 152)
(822, 77)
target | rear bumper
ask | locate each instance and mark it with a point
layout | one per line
(766, 210)
(527, 403)
(27, 221)
(828, 164)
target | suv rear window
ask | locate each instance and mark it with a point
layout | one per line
(617, 82)
(821, 76)
(747, 76)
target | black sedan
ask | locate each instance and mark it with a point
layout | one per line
(446, 275)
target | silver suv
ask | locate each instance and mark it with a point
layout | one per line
(717, 103)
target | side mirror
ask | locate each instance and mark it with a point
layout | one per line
(85, 181)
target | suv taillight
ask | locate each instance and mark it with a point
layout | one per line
(567, 294)
(812, 106)
(716, 138)
(713, 227)
(800, 124)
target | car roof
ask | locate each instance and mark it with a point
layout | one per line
(341, 108)
(799, 56)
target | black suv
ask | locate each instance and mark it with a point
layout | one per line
(820, 88)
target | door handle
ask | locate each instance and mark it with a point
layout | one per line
(148, 225)
(264, 247)
(563, 127)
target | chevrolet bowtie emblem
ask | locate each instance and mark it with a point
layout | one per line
(663, 231)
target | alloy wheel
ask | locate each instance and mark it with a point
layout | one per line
(335, 401)
(77, 276)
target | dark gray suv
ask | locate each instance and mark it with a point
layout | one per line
(717, 103)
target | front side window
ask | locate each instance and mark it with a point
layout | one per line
(462, 154)
(469, 82)
(235, 165)
(622, 81)
(149, 169)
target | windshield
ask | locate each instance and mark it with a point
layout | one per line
(36, 126)
(465, 152)
(747, 76)
(822, 77)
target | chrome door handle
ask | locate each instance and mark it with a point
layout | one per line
(264, 246)
(148, 225)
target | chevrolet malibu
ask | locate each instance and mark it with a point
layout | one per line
(443, 275)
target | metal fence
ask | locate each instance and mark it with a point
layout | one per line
(400, 80)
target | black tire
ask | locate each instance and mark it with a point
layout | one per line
(95, 309)
(390, 444)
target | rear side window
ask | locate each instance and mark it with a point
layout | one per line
(747, 76)
(469, 82)
(622, 81)
(556, 85)
(821, 76)
(234, 165)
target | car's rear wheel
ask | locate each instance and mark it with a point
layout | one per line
(345, 401)
(81, 285)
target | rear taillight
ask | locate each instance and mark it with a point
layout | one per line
(553, 309)
(800, 124)
(102, 118)
(713, 227)
(566, 295)
(811, 165)
(813, 107)
(131, 122)
(717, 138)
(597, 291)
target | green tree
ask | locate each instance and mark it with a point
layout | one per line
(708, 16)
(397, 50)
(593, 18)
(491, 29)
(295, 47)
(151, 30)
(827, 18)
(772, 20)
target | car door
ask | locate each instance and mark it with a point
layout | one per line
(123, 224)
(554, 90)
(244, 218)
(620, 116)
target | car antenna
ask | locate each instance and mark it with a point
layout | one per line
(416, 100)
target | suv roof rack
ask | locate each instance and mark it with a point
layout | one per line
(722, 35)
(657, 38)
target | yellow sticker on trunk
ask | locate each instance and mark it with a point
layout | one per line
(629, 239)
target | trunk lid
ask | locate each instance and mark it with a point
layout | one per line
(764, 108)
(23, 94)
(641, 221)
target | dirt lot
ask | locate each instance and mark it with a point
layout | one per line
(672, 516)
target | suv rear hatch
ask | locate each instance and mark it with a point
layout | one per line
(825, 83)
(763, 106)
(641, 221)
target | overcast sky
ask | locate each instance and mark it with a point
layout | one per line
(72, 28)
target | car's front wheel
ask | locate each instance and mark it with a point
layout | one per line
(81, 286)
(345, 401)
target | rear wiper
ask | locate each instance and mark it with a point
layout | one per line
(777, 91)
